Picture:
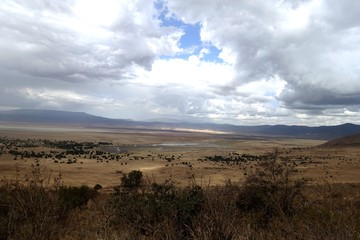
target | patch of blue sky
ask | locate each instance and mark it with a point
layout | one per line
(191, 40)
(165, 17)
(212, 55)
(191, 36)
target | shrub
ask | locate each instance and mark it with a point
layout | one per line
(4, 211)
(219, 217)
(132, 181)
(271, 191)
(30, 210)
(97, 187)
(190, 203)
(161, 211)
(75, 197)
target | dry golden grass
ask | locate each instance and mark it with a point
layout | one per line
(319, 164)
(271, 203)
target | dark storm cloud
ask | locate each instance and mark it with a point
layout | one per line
(320, 98)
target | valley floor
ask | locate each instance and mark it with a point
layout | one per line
(101, 156)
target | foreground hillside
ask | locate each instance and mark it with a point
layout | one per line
(271, 204)
(347, 141)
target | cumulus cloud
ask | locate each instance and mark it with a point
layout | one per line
(292, 62)
(72, 42)
(311, 45)
(51, 49)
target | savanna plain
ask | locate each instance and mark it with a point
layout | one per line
(72, 182)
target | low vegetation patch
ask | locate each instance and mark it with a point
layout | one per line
(270, 204)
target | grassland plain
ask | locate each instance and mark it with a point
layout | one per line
(194, 185)
(179, 155)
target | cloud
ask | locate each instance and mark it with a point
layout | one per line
(312, 45)
(256, 61)
(72, 55)
(56, 40)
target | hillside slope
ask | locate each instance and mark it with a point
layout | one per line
(347, 141)
(55, 117)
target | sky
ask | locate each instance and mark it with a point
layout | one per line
(243, 62)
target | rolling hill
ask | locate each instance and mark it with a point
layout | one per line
(347, 141)
(55, 117)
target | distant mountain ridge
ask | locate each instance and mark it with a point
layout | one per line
(80, 118)
(53, 117)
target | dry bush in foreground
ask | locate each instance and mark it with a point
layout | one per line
(161, 211)
(37, 209)
(30, 210)
(271, 204)
(271, 191)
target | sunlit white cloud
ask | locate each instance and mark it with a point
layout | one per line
(241, 62)
(192, 73)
